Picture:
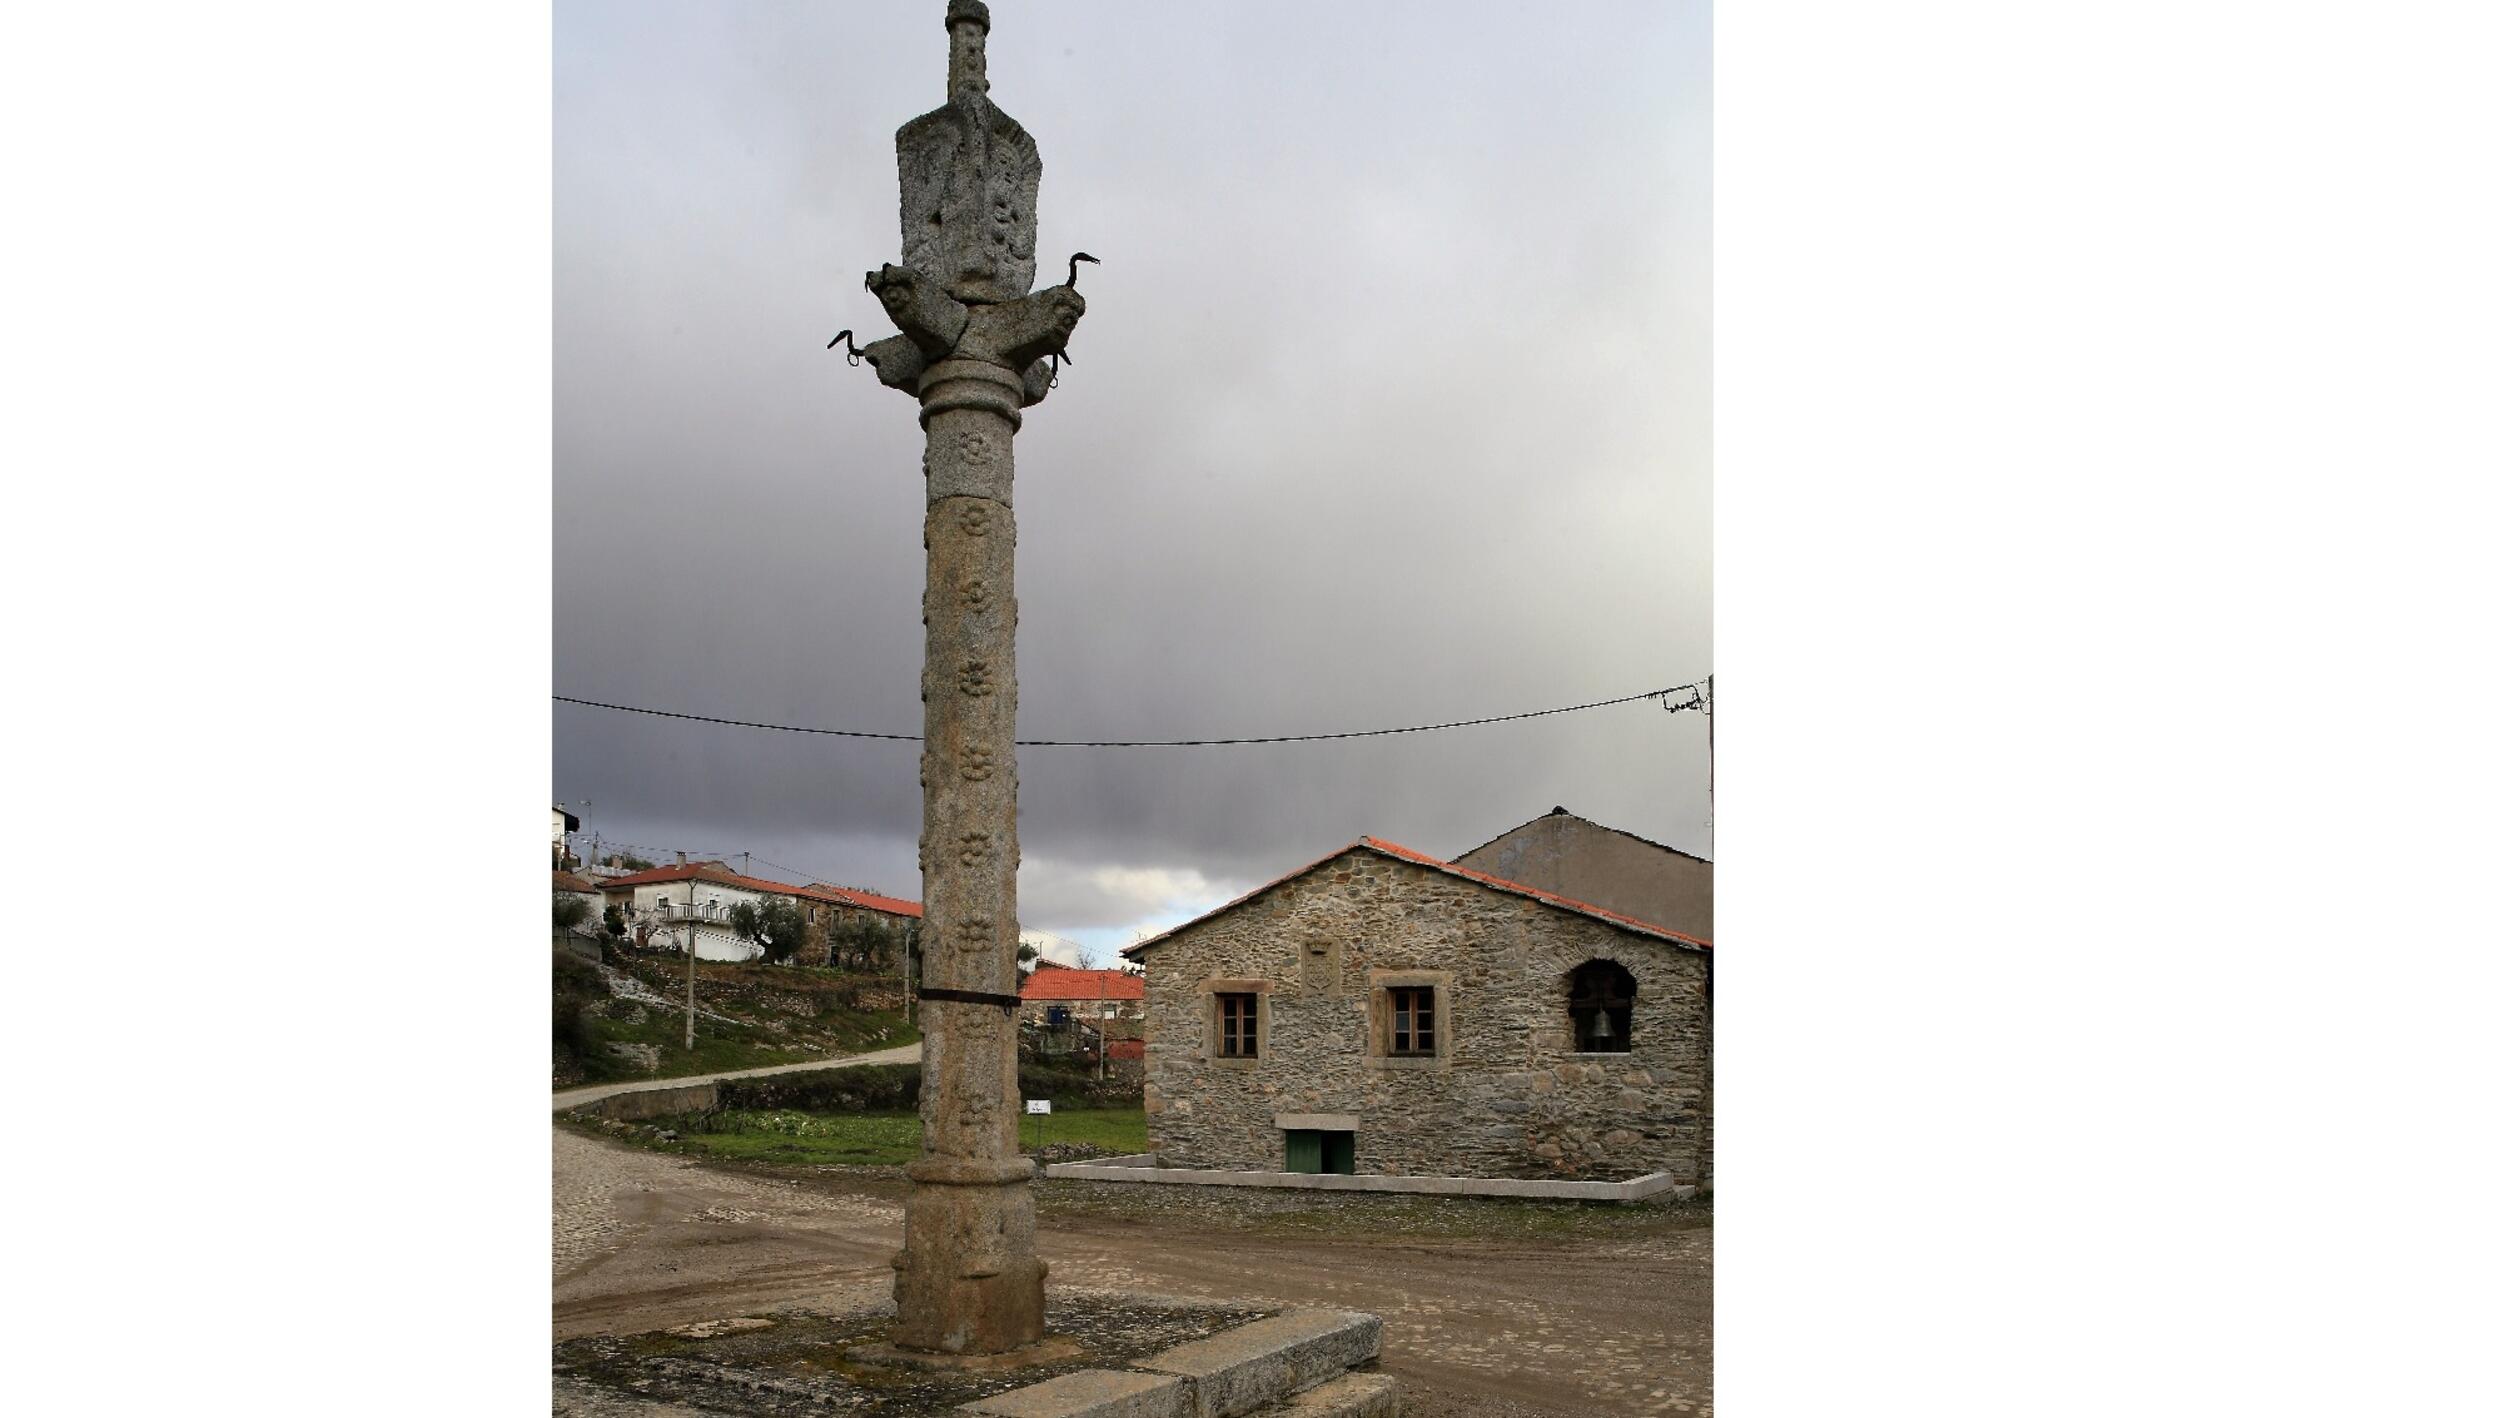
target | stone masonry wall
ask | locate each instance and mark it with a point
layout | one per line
(1506, 1097)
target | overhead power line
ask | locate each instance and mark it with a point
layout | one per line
(1694, 688)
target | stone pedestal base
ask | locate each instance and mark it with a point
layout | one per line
(967, 1281)
(1051, 1349)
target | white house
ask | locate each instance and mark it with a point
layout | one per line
(698, 897)
(691, 897)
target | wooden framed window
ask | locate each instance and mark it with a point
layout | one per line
(1237, 1025)
(1411, 1025)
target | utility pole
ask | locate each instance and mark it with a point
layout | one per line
(1710, 736)
(690, 953)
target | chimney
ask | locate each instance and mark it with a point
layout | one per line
(681, 858)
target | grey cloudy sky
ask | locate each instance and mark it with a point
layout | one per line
(1391, 405)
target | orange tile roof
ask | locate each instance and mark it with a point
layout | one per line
(1083, 984)
(691, 871)
(715, 872)
(1409, 854)
(851, 896)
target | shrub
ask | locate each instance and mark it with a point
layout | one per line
(578, 985)
(895, 1088)
(866, 1088)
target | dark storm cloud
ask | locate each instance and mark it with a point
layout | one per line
(1391, 405)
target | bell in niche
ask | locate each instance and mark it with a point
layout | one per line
(1603, 1033)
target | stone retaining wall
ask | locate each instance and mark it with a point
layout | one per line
(1141, 1167)
(644, 1103)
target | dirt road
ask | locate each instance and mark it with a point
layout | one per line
(1480, 1328)
(575, 1097)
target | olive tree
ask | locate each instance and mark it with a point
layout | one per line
(778, 925)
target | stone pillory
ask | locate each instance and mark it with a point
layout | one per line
(976, 346)
(1385, 1012)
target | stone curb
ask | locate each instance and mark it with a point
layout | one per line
(1139, 1167)
(1352, 1396)
(1245, 1369)
(1241, 1371)
(1092, 1393)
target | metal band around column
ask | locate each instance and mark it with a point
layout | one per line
(971, 997)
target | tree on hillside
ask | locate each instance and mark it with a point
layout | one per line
(612, 921)
(860, 942)
(778, 925)
(570, 912)
(629, 863)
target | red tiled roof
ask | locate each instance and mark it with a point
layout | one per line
(1409, 854)
(567, 881)
(851, 896)
(1083, 984)
(691, 871)
(715, 872)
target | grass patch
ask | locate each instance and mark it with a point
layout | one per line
(1119, 1130)
(885, 1139)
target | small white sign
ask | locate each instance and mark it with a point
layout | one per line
(1037, 1105)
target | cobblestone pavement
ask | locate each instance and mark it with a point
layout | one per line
(1511, 1328)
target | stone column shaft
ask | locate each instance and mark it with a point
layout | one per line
(968, 1280)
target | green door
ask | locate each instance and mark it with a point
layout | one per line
(1337, 1153)
(1302, 1150)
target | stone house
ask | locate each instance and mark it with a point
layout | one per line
(1383, 1011)
(828, 905)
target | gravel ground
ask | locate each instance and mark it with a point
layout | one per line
(1494, 1309)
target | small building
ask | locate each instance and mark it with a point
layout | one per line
(1383, 1011)
(1569, 855)
(1058, 996)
